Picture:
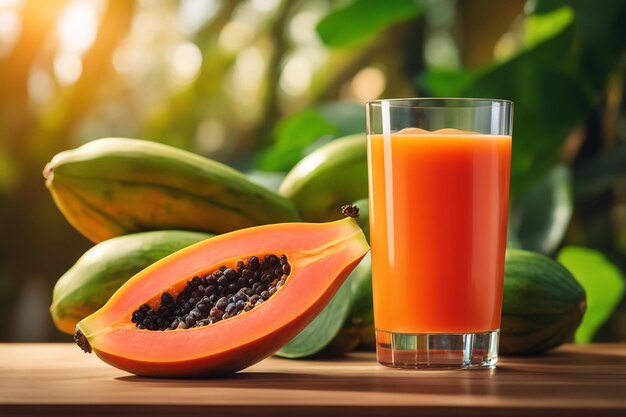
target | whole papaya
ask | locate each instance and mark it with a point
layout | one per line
(110, 187)
(329, 177)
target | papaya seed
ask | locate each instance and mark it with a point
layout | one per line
(220, 295)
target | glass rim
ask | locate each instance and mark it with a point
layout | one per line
(408, 100)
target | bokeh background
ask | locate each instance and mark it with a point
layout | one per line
(260, 83)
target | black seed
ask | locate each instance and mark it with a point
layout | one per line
(248, 307)
(144, 308)
(190, 321)
(246, 273)
(141, 326)
(240, 296)
(205, 281)
(286, 268)
(167, 299)
(240, 305)
(151, 326)
(272, 259)
(218, 273)
(213, 298)
(222, 281)
(211, 279)
(254, 263)
(195, 281)
(230, 309)
(216, 312)
(241, 282)
(222, 303)
(272, 290)
(232, 288)
(283, 259)
(265, 295)
(225, 316)
(258, 287)
(192, 301)
(255, 298)
(267, 278)
(249, 292)
(209, 290)
(280, 284)
(162, 310)
(204, 305)
(230, 274)
(137, 317)
(240, 265)
(200, 289)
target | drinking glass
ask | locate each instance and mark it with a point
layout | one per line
(438, 200)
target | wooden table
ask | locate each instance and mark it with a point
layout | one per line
(58, 379)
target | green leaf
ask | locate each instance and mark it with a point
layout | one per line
(321, 331)
(600, 173)
(548, 96)
(540, 27)
(599, 26)
(603, 283)
(293, 135)
(541, 215)
(301, 133)
(361, 19)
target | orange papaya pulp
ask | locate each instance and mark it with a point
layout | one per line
(321, 256)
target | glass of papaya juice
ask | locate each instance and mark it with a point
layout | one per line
(438, 201)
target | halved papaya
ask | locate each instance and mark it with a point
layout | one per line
(319, 257)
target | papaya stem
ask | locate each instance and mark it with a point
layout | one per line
(350, 210)
(82, 341)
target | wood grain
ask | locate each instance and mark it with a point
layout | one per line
(58, 379)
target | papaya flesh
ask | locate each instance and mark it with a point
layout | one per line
(320, 255)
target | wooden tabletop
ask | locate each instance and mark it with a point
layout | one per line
(58, 379)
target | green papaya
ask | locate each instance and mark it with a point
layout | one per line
(327, 178)
(87, 285)
(542, 304)
(111, 187)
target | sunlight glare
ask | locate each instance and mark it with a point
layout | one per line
(77, 26)
(296, 75)
(186, 62)
(235, 35)
(67, 67)
(192, 14)
(10, 27)
(368, 84)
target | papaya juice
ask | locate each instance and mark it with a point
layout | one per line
(438, 222)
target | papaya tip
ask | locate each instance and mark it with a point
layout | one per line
(350, 210)
(82, 341)
(47, 170)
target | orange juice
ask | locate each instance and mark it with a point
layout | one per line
(438, 221)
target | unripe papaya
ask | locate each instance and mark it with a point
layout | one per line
(89, 284)
(110, 187)
(329, 177)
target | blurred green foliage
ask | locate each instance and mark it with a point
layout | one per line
(603, 283)
(261, 83)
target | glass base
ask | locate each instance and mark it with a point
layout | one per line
(437, 350)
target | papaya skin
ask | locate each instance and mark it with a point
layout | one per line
(327, 178)
(321, 257)
(114, 186)
(91, 281)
